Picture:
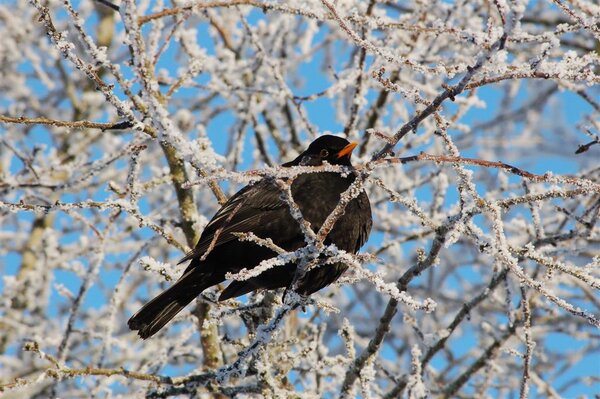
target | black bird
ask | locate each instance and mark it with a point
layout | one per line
(259, 208)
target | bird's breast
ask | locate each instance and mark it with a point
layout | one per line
(317, 195)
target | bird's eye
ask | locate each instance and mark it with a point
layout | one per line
(324, 153)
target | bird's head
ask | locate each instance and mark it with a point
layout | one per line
(335, 150)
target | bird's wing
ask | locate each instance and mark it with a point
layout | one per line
(242, 213)
(365, 220)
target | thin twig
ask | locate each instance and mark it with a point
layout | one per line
(72, 124)
(529, 345)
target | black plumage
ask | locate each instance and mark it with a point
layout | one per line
(259, 208)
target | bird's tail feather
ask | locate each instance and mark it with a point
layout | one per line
(159, 311)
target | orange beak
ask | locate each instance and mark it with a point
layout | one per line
(347, 150)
